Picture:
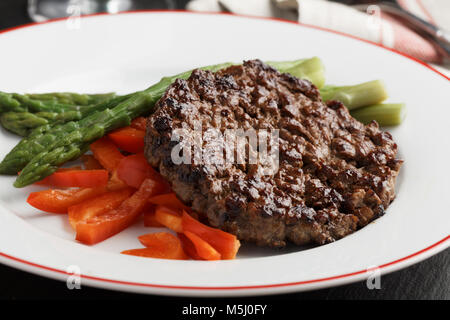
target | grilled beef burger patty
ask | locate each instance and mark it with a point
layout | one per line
(335, 175)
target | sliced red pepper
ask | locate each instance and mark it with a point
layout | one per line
(97, 206)
(106, 153)
(58, 201)
(157, 253)
(90, 163)
(114, 221)
(163, 245)
(203, 248)
(139, 123)
(168, 200)
(169, 218)
(47, 180)
(128, 139)
(225, 243)
(115, 183)
(76, 178)
(188, 247)
(150, 219)
(134, 169)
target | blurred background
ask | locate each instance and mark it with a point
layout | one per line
(416, 27)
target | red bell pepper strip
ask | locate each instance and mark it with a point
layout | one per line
(47, 182)
(134, 169)
(150, 220)
(106, 153)
(169, 218)
(139, 123)
(114, 221)
(90, 163)
(188, 247)
(159, 253)
(168, 200)
(97, 206)
(225, 243)
(162, 245)
(58, 201)
(76, 178)
(203, 248)
(128, 139)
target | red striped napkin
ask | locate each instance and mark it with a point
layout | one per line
(373, 25)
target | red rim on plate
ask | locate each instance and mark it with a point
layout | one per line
(290, 284)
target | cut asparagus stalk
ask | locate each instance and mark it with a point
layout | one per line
(360, 95)
(284, 64)
(386, 114)
(310, 69)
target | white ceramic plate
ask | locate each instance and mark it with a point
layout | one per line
(128, 52)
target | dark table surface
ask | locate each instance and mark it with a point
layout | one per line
(429, 279)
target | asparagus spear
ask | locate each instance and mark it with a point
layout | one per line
(33, 105)
(67, 144)
(42, 137)
(49, 102)
(71, 98)
(34, 143)
(22, 123)
(360, 95)
(8, 103)
(386, 114)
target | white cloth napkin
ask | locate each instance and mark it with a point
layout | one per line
(376, 26)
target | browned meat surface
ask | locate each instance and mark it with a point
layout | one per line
(335, 174)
